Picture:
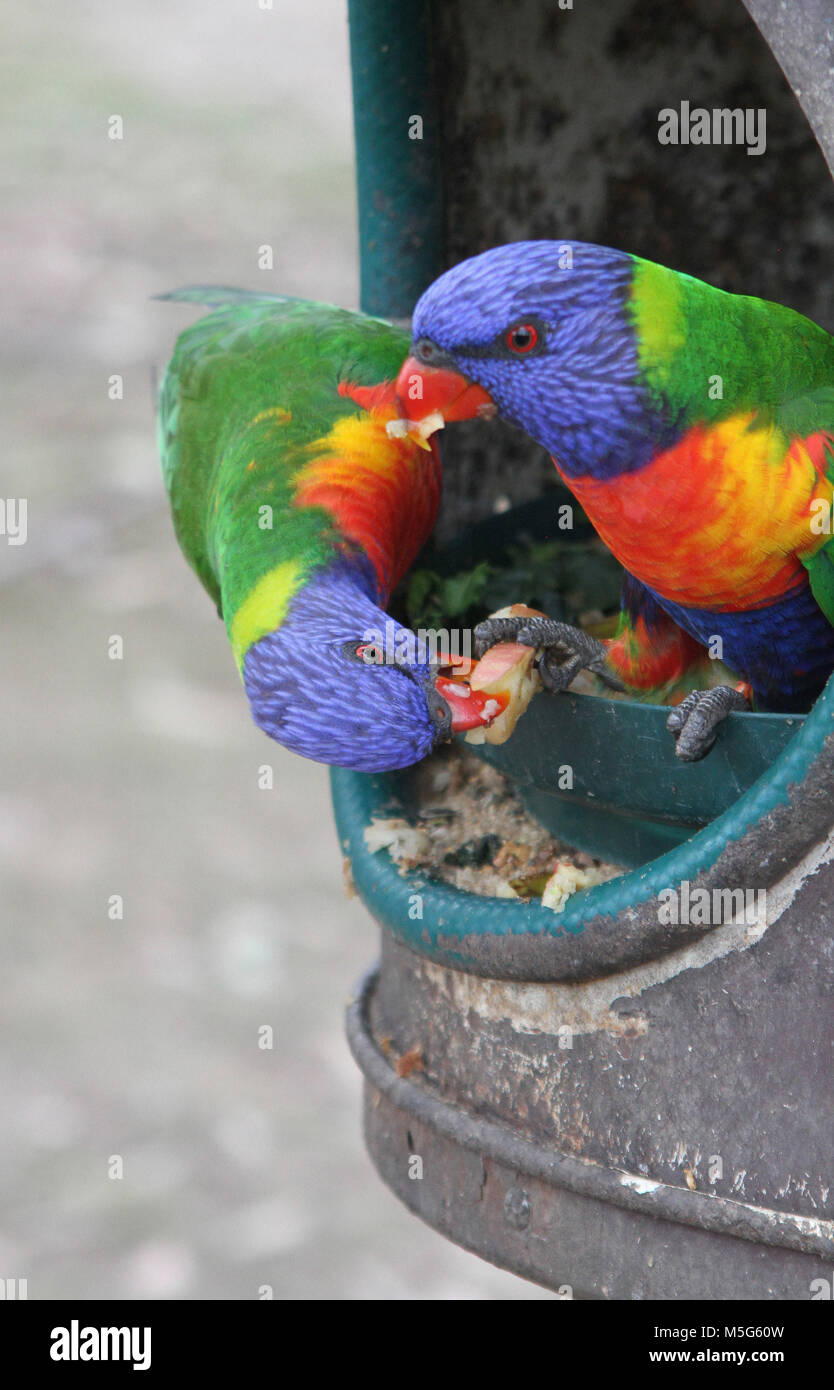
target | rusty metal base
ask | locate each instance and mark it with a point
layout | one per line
(583, 1230)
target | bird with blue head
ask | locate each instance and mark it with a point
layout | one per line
(299, 515)
(696, 429)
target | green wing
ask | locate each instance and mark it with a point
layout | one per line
(249, 388)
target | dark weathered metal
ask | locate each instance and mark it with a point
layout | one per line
(801, 39)
(569, 1164)
(583, 1247)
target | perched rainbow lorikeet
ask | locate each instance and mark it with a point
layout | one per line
(696, 429)
(299, 514)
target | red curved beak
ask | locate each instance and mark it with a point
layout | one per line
(471, 709)
(422, 391)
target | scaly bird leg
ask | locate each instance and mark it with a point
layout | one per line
(695, 721)
(566, 650)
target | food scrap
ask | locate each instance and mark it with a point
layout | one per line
(471, 830)
(567, 879)
(406, 844)
(418, 429)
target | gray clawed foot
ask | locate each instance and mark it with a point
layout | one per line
(494, 630)
(696, 720)
(566, 650)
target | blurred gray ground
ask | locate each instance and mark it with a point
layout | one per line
(139, 1038)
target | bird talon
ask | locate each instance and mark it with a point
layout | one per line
(695, 722)
(565, 650)
(491, 631)
(557, 675)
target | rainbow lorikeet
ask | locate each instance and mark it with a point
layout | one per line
(696, 429)
(299, 514)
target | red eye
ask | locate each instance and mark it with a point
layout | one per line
(522, 339)
(370, 653)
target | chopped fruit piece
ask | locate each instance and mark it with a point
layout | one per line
(454, 667)
(518, 610)
(506, 672)
(405, 843)
(420, 429)
(567, 880)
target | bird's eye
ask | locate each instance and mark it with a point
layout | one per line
(370, 653)
(425, 350)
(522, 338)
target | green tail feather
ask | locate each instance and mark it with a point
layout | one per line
(218, 296)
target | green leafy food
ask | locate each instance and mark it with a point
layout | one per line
(564, 578)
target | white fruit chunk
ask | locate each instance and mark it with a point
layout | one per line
(421, 429)
(405, 843)
(506, 669)
(567, 880)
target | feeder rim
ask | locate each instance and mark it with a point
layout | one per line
(769, 830)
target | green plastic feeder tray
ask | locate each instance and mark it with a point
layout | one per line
(602, 776)
(777, 819)
(631, 799)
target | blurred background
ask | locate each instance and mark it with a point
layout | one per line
(137, 1037)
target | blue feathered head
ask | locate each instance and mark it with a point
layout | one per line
(543, 330)
(341, 682)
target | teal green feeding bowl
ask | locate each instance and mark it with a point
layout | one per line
(602, 775)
